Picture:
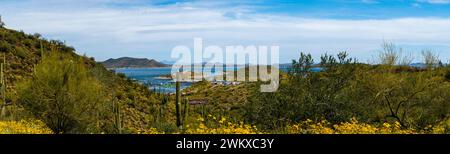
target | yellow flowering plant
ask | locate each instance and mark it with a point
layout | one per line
(221, 125)
(351, 127)
(24, 127)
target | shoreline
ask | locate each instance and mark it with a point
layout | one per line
(135, 67)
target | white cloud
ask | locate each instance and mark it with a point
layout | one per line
(436, 1)
(152, 31)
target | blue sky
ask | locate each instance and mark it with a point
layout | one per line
(151, 28)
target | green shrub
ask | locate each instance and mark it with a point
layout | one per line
(345, 89)
(5, 47)
(20, 52)
(64, 95)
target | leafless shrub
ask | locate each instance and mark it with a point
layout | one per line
(430, 58)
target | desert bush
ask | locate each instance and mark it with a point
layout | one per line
(219, 126)
(350, 127)
(63, 95)
(20, 52)
(430, 58)
(346, 89)
(389, 54)
(5, 47)
(307, 94)
(24, 127)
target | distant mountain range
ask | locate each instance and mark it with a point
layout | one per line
(144, 62)
(168, 62)
(132, 62)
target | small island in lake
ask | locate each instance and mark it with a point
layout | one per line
(164, 77)
(186, 76)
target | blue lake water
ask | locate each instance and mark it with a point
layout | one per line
(149, 77)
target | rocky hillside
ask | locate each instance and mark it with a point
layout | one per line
(21, 52)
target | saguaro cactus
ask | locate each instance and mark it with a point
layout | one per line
(117, 116)
(178, 104)
(185, 110)
(3, 87)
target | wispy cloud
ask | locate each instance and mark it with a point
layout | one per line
(104, 30)
(435, 1)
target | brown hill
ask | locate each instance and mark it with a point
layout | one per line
(132, 62)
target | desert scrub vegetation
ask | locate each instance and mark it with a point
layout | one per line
(351, 127)
(355, 127)
(124, 106)
(24, 127)
(63, 95)
(213, 125)
(68, 93)
(223, 125)
(413, 98)
(209, 125)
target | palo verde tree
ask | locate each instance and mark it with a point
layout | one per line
(430, 58)
(307, 93)
(63, 94)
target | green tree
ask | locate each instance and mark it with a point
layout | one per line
(307, 94)
(302, 66)
(63, 94)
